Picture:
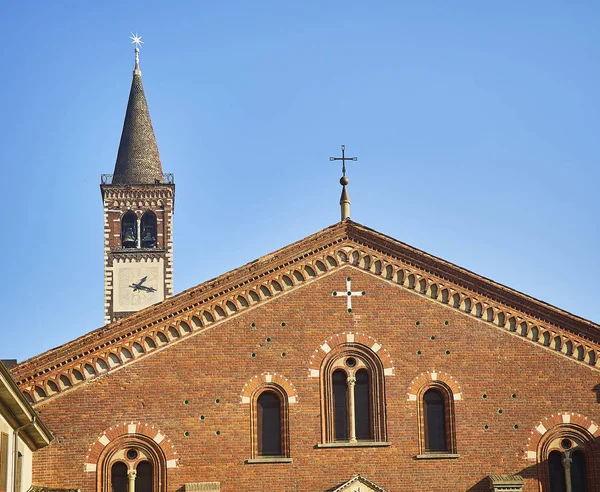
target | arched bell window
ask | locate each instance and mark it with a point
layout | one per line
(129, 232)
(149, 231)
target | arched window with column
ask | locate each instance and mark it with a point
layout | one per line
(270, 423)
(132, 463)
(353, 396)
(436, 419)
(568, 459)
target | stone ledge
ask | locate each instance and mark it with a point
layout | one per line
(357, 444)
(437, 456)
(266, 459)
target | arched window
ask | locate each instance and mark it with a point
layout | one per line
(436, 419)
(149, 231)
(132, 462)
(568, 459)
(434, 416)
(118, 477)
(353, 395)
(129, 233)
(143, 479)
(270, 422)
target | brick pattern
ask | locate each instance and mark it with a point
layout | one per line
(190, 388)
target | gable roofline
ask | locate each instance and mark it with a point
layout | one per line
(211, 291)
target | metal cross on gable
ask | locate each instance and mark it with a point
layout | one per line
(343, 159)
(348, 293)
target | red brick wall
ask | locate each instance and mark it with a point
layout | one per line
(217, 363)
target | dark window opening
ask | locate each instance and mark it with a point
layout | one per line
(269, 424)
(435, 421)
(362, 402)
(340, 404)
(149, 230)
(557, 472)
(129, 230)
(143, 479)
(578, 472)
(118, 477)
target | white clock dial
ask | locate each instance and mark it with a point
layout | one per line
(137, 285)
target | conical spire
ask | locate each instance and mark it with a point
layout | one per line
(138, 161)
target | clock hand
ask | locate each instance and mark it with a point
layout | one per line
(143, 280)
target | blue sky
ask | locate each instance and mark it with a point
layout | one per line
(475, 123)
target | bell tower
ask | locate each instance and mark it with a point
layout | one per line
(138, 201)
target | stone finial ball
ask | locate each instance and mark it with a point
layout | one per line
(344, 180)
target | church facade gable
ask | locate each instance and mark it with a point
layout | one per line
(207, 393)
(359, 484)
(347, 244)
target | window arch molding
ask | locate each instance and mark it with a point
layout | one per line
(447, 413)
(337, 360)
(147, 449)
(256, 426)
(581, 440)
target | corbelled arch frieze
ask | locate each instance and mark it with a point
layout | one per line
(205, 306)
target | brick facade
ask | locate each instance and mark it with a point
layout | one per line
(181, 375)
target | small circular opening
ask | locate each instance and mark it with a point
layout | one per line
(446, 323)
(283, 323)
(186, 402)
(500, 411)
(252, 325)
(514, 395)
(350, 361)
(218, 433)
(202, 417)
(417, 323)
(253, 354)
(217, 400)
(447, 352)
(418, 352)
(432, 337)
(566, 444)
(484, 396)
(132, 454)
(516, 426)
(186, 434)
(283, 354)
(486, 427)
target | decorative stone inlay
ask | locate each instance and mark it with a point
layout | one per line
(425, 378)
(506, 483)
(266, 378)
(340, 246)
(359, 484)
(122, 429)
(349, 337)
(203, 487)
(547, 424)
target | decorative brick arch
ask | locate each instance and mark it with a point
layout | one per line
(316, 359)
(428, 378)
(549, 423)
(268, 378)
(130, 429)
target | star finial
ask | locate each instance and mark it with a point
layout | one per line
(137, 40)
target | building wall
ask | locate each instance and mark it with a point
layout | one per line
(217, 363)
(26, 470)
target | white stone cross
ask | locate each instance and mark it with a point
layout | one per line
(348, 293)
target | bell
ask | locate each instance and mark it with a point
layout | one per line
(129, 240)
(148, 241)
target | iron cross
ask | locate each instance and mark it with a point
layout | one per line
(343, 159)
(348, 293)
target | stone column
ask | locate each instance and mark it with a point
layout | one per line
(351, 381)
(131, 474)
(567, 465)
(139, 232)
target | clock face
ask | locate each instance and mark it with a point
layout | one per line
(137, 285)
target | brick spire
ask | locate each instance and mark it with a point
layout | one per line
(138, 161)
